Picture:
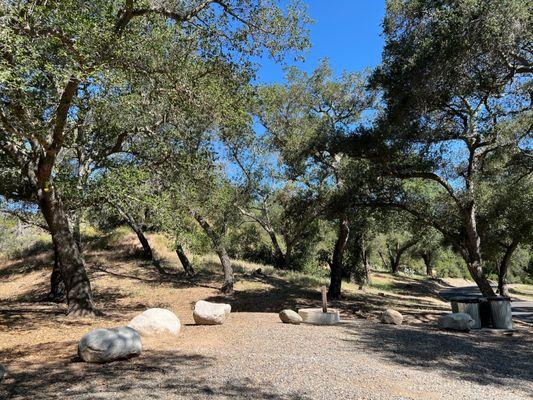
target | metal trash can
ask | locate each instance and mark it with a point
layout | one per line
(468, 305)
(500, 312)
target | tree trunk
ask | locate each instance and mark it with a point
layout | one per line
(147, 249)
(77, 285)
(428, 262)
(472, 255)
(264, 222)
(396, 257)
(504, 266)
(57, 286)
(187, 266)
(76, 229)
(366, 264)
(281, 260)
(395, 263)
(219, 248)
(477, 273)
(337, 268)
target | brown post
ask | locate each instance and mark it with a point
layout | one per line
(324, 300)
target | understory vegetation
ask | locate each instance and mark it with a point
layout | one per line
(148, 115)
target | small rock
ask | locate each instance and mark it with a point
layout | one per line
(390, 316)
(456, 322)
(156, 321)
(381, 294)
(206, 313)
(104, 345)
(290, 317)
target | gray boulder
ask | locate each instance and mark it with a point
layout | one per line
(456, 322)
(104, 345)
(290, 317)
(206, 313)
(156, 321)
(390, 316)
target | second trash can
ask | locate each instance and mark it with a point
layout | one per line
(500, 312)
(468, 305)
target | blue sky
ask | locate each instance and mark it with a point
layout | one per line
(348, 32)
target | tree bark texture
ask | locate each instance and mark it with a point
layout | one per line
(220, 249)
(337, 267)
(77, 285)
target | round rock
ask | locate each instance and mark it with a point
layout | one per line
(156, 321)
(206, 313)
(391, 316)
(316, 316)
(104, 345)
(290, 317)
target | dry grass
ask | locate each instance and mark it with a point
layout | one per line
(124, 285)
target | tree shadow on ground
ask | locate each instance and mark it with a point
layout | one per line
(421, 288)
(25, 265)
(480, 357)
(155, 374)
(274, 294)
(16, 315)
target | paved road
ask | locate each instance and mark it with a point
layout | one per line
(522, 310)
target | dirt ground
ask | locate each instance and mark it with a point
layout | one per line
(253, 355)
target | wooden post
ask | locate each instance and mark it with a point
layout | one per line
(324, 300)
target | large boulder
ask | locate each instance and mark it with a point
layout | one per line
(390, 316)
(156, 321)
(456, 322)
(290, 317)
(206, 313)
(104, 345)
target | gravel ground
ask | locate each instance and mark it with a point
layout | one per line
(254, 356)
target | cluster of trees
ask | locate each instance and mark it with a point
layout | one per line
(145, 113)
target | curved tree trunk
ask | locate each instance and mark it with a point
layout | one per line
(337, 268)
(186, 264)
(395, 256)
(428, 262)
(57, 286)
(264, 222)
(472, 256)
(147, 249)
(395, 262)
(77, 285)
(227, 286)
(281, 259)
(503, 268)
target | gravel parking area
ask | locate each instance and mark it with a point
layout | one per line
(254, 356)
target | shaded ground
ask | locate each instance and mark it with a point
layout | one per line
(253, 356)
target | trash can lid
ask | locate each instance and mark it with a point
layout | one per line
(465, 299)
(498, 298)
